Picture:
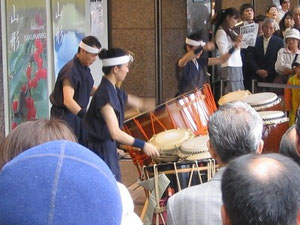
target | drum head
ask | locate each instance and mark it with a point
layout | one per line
(170, 140)
(195, 148)
(260, 98)
(233, 96)
(273, 117)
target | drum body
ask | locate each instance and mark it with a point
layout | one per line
(185, 173)
(275, 125)
(195, 149)
(234, 96)
(265, 101)
(188, 111)
(169, 142)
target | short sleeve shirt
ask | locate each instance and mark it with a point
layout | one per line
(94, 122)
(81, 80)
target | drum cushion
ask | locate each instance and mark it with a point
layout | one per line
(273, 117)
(195, 149)
(170, 140)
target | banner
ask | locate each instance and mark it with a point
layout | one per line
(26, 60)
(69, 28)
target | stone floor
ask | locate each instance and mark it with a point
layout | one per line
(129, 177)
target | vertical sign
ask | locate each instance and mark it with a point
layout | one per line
(69, 27)
(26, 60)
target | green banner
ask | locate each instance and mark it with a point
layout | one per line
(27, 60)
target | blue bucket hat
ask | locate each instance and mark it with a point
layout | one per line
(56, 183)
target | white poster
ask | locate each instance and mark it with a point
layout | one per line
(97, 23)
(249, 33)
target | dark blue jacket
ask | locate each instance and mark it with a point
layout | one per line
(258, 60)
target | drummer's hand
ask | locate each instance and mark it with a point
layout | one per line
(151, 150)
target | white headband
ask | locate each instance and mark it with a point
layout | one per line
(117, 60)
(88, 48)
(194, 43)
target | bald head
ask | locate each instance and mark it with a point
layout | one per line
(264, 169)
(267, 184)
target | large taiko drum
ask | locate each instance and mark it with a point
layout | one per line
(233, 96)
(188, 111)
(275, 125)
(195, 149)
(265, 101)
(185, 173)
(169, 142)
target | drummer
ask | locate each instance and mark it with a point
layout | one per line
(191, 68)
(104, 118)
(74, 86)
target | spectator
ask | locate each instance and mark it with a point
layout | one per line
(234, 129)
(285, 7)
(261, 190)
(296, 16)
(259, 20)
(288, 144)
(285, 23)
(286, 56)
(272, 13)
(263, 56)
(31, 133)
(247, 15)
(58, 182)
(225, 36)
(291, 95)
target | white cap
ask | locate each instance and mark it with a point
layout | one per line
(292, 33)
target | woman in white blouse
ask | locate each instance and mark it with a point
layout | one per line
(231, 71)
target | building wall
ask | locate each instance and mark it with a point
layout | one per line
(132, 27)
(174, 29)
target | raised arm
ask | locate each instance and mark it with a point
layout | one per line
(192, 54)
(223, 58)
(143, 104)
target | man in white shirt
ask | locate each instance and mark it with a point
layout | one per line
(262, 57)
